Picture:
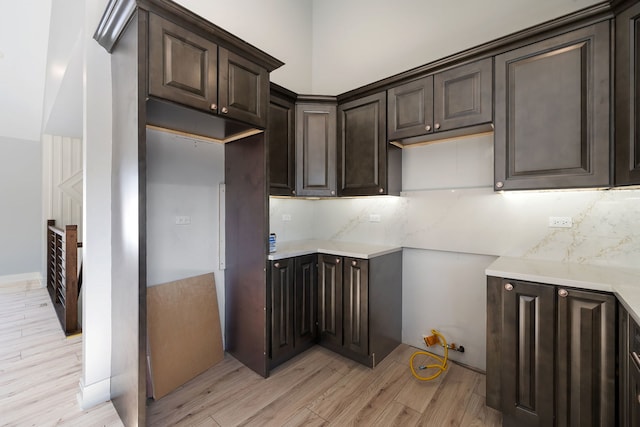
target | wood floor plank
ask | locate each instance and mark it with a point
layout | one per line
(305, 417)
(478, 414)
(278, 412)
(396, 414)
(372, 401)
(449, 403)
(39, 367)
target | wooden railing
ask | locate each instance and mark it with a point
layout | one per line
(62, 273)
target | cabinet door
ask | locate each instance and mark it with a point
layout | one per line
(633, 394)
(463, 96)
(356, 306)
(528, 353)
(316, 150)
(410, 109)
(628, 96)
(281, 140)
(330, 301)
(586, 365)
(243, 92)
(362, 154)
(282, 308)
(306, 301)
(182, 65)
(552, 112)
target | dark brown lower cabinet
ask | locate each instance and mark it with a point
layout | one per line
(551, 354)
(360, 305)
(330, 301)
(629, 366)
(528, 354)
(292, 305)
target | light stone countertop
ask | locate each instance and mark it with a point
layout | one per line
(331, 247)
(623, 282)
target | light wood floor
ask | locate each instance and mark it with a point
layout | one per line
(40, 367)
(321, 388)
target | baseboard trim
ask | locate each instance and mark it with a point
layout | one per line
(25, 277)
(94, 394)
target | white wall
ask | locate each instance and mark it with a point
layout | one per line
(183, 179)
(282, 28)
(96, 315)
(23, 231)
(357, 42)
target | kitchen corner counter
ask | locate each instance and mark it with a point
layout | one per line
(330, 247)
(621, 281)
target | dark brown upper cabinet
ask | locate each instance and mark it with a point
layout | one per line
(367, 165)
(552, 112)
(447, 104)
(316, 147)
(281, 142)
(194, 71)
(627, 164)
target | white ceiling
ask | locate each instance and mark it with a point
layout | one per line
(40, 81)
(24, 34)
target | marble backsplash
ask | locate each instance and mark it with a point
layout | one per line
(606, 224)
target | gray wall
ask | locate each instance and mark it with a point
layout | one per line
(21, 208)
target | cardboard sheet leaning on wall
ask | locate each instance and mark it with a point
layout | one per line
(183, 332)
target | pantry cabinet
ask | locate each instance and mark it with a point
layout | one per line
(461, 97)
(627, 108)
(367, 165)
(555, 349)
(552, 112)
(192, 70)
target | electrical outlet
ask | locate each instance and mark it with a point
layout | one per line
(183, 220)
(374, 218)
(560, 221)
(286, 217)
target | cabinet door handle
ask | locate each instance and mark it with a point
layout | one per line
(337, 260)
(427, 128)
(214, 107)
(563, 293)
(276, 265)
(499, 184)
(354, 263)
(437, 126)
(508, 286)
(225, 110)
(380, 190)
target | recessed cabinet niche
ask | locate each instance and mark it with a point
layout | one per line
(456, 99)
(189, 69)
(552, 112)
